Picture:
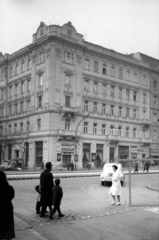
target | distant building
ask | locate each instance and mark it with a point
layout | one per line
(50, 85)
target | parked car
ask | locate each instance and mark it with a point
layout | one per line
(62, 167)
(107, 173)
(16, 164)
(5, 165)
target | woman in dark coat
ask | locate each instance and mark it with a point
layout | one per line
(6, 209)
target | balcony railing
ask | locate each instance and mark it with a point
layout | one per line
(69, 109)
(145, 140)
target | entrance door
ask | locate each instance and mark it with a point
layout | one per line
(66, 160)
(111, 154)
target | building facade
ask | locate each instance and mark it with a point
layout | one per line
(49, 86)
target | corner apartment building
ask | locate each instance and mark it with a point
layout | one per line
(50, 85)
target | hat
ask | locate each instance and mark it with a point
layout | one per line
(48, 165)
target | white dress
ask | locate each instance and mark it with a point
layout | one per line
(116, 185)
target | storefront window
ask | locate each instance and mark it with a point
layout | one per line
(99, 155)
(38, 153)
(86, 154)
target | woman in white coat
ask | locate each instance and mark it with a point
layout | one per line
(115, 189)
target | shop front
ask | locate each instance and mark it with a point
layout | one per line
(67, 152)
(154, 153)
(133, 152)
(123, 153)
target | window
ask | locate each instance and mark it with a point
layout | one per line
(28, 105)
(112, 91)
(144, 114)
(85, 106)
(22, 87)
(155, 134)
(2, 94)
(9, 129)
(135, 78)
(86, 85)
(10, 110)
(127, 131)
(120, 111)
(21, 127)
(16, 89)
(1, 131)
(67, 101)
(135, 96)
(41, 80)
(39, 124)
(11, 72)
(111, 130)
(95, 66)
(112, 72)
(87, 64)
(29, 85)
(155, 100)
(112, 110)
(15, 128)
(127, 75)
(68, 57)
(134, 113)
(10, 91)
(121, 73)
(144, 98)
(22, 107)
(94, 128)
(95, 107)
(41, 57)
(29, 64)
(85, 128)
(67, 124)
(155, 84)
(120, 92)
(68, 80)
(144, 80)
(23, 67)
(40, 101)
(15, 108)
(119, 131)
(1, 112)
(155, 117)
(104, 71)
(143, 133)
(104, 89)
(28, 126)
(127, 112)
(127, 94)
(3, 75)
(95, 87)
(103, 108)
(103, 129)
(17, 70)
(134, 132)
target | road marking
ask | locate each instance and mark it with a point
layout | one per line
(154, 210)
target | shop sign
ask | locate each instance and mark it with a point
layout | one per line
(154, 151)
(145, 150)
(133, 149)
(93, 150)
(67, 147)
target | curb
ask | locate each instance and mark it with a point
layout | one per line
(152, 188)
(25, 227)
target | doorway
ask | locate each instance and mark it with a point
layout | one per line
(66, 160)
(111, 154)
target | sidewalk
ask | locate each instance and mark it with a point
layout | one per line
(132, 224)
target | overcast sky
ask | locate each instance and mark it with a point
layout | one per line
(123, 25)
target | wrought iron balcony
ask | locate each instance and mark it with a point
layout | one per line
(69, 112)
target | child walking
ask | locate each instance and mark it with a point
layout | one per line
(38, 199)
(57, 195)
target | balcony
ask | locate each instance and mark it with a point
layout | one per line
(145, 122)
(68, 112)
(68, 134)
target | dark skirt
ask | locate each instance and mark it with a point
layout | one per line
(7, 223)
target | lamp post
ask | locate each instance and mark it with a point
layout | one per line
(76, 136)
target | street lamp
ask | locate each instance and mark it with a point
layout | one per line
(76, 136)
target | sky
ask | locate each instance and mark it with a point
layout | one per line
(126, 26)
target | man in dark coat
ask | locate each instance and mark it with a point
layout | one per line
(6, 209)
(57, 195)
(46, 183)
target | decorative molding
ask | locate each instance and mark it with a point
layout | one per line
(46, 89)
(58, 52)
(57, 90)
(79, 58)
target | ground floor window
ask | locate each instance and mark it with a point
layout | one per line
(38, 153)
(26, 154)
(123, 153)
(66, 160)
(86, 154)
(9, 151)
(99, 155)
